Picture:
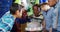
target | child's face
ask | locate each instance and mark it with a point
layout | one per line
(45, 7)
(18, 14)
(36, 12)
(21, 13)
(52, 2)
(24, 14)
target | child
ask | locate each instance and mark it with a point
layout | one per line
(36, 19)
(7, 20)
(49, 16)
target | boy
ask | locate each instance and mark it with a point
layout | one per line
(7, 20)
(21, 22)
(37, 15)
(49, 16)
(36, 19)
(56, 5)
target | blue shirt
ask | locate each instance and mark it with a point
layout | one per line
(58, 9)
(49, 17)
(6, 22)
